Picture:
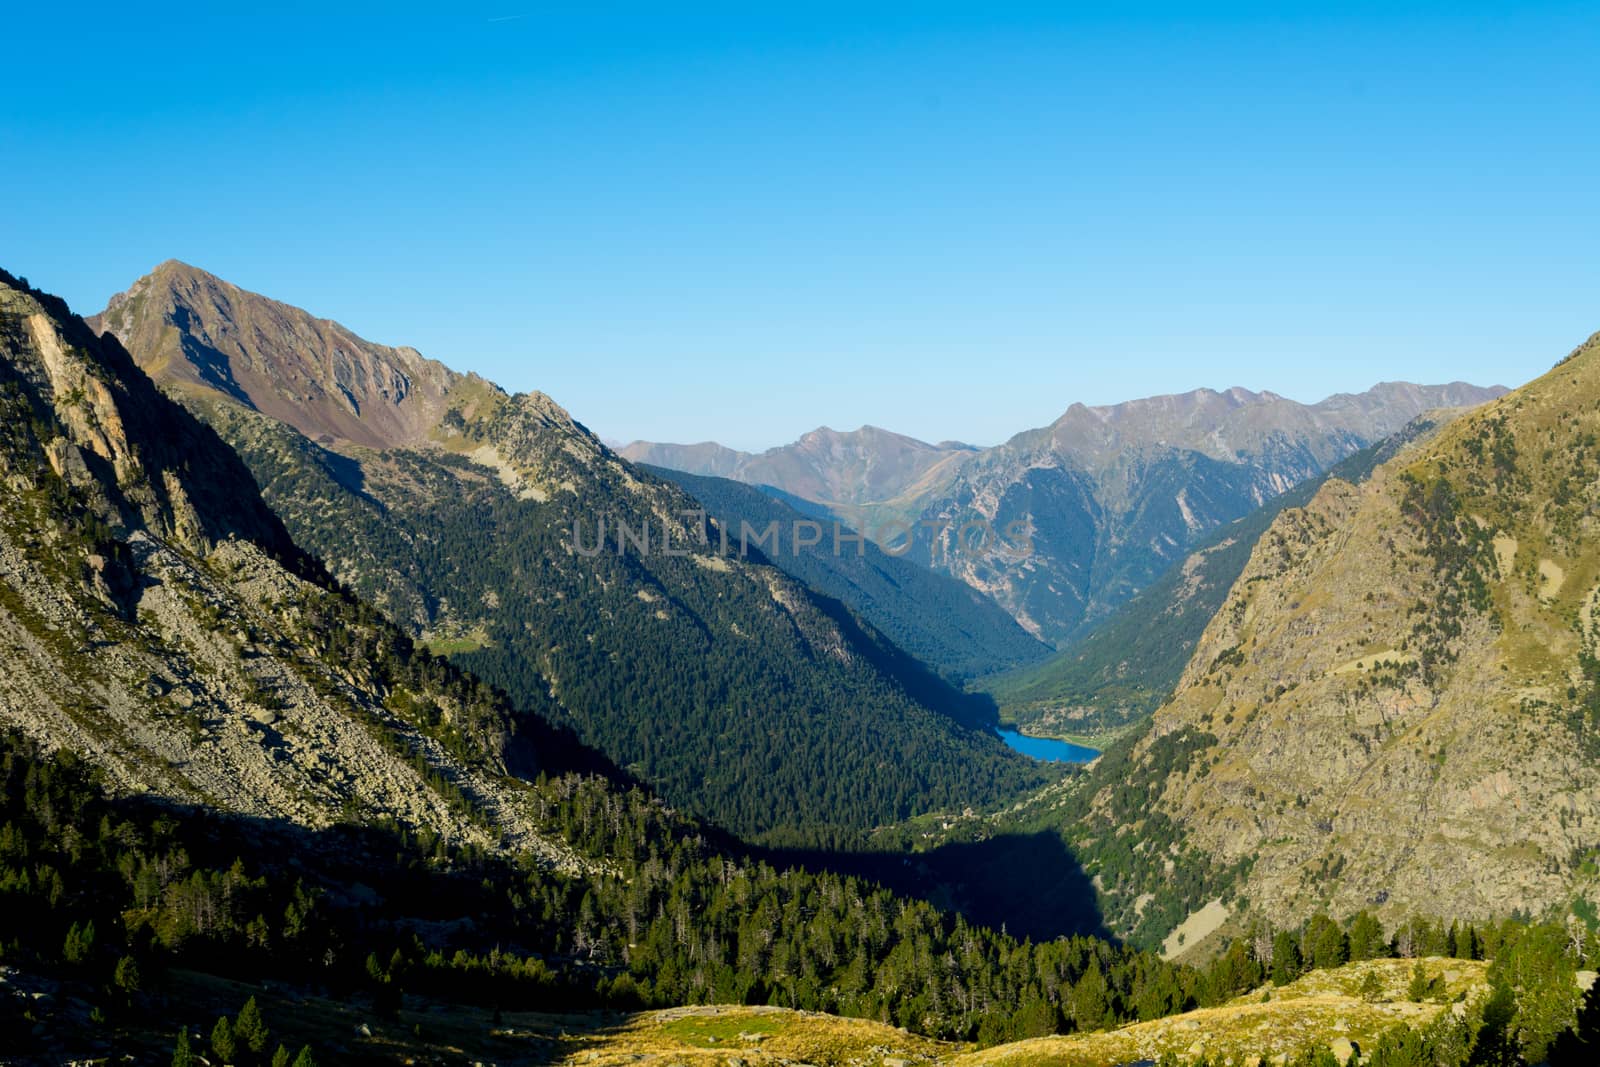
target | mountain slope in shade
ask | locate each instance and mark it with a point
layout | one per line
(951, 627)
(1398, 704)
(1113, 495)
(720, 680)
(1129, 665)
(159, 620)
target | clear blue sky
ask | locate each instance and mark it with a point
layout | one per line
(952, 220)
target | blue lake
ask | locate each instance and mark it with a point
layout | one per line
(1047, 748)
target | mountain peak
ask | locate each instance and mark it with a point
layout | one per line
(200, 333)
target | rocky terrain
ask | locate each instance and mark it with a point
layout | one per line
(1395, 708)
(1114, 495)
(171, 631)
(478, 526)
(1128, 665)
(196, 330)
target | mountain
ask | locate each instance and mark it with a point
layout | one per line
(228, 788)
(1129, 665)
(240, 811)
(160, 621)
(868, 466)
(712, 675)
(197, 331)
(956, 630)
(1398, 704)
(1064, 523)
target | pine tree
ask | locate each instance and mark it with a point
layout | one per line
(1495, 1045)
(305, 1058)
(181, 1054)
(283, 1057)
(1091, 1009)
(79, 943)
(249, 1030)
(1366, 937)
(1324, 943)
(1580, 1046)
(223, 1044)
(1420, 986)
(1400, 1047)
(1285, 958)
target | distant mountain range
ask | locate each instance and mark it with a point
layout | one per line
(1112, 496)
(1129, 664)
(464, 512)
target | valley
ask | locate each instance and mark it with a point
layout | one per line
(268, 790)
(923, 535)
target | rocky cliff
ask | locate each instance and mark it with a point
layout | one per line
(1398, 704)
(157, 618)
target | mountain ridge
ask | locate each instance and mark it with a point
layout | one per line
(1113, 494)
(276, 358)
(721, 681)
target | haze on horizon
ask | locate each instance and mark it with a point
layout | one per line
(950, 223)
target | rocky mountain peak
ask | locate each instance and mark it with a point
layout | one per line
(195, 330)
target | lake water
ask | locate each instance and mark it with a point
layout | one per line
(1047, 748)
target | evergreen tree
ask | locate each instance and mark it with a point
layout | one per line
(1400, 1046)
(181, 1054)
(1285, 958)
(1580, 1046)
(223, 1044)
(1495, 1045)
(249, 1031)
(126, 979)
(1366, 937)
(283, 1057)
(1420, 986)
(1325, 944)
(1091, 1009)
(305, 1059)
(79, 943)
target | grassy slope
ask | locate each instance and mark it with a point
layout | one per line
(1323, 1007)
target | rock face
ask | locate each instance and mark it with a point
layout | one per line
(194, 329)
(1401, 689)
(1113, 495)
(1130, 664)
(157, 618)
(713, 675)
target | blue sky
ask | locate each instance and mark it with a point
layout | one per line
(690, 222)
